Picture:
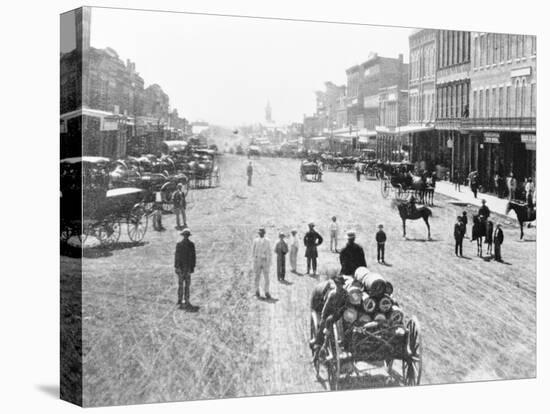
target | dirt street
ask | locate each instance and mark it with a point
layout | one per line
(477, 317)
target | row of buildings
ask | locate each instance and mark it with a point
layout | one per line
(466, 101)
(105, 100)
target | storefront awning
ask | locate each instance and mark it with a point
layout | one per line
(406, 129)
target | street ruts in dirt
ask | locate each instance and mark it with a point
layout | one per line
(477, 317)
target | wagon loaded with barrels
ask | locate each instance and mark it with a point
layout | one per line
(372, 331)
(90, 209)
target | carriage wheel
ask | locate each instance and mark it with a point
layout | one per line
(412, 361)
(385, 187)
(313, 328)
(137, 224)
(66, 233)
(108, 232)
(334, 363)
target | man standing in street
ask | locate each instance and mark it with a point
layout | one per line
(472, 177)
(178, 198)
(249, 171)
(281, 249)
(184, 265)
(261, 256)
(312, 239)
(294, 245)
(498, 239)
(380, 244)
(512, 184)
(352, 256)
(334, 235)
(459, 232)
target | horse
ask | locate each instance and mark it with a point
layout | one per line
(522, 213)
(421, 212)
(479, 231)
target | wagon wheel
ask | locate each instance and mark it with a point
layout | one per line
(313, 328)
(137, 224)
(108, 232)
(334, 364)
(412, 361)
(66, 233)
(385, 187)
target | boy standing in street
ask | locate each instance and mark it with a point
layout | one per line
(380, 244)
(294, 244)
(498, 239)
(178, 198)
(334, 235)
(281, 249)
(249, 173)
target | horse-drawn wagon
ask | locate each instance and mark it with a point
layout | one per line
(372, 333)
(397, 180)
(104, 211)
(310, 171)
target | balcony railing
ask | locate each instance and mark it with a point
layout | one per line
(523, 123)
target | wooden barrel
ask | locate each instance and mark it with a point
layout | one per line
(396, 316)
(350, 315)
(389, 288)
(369, 304)
(354, 295)
(360, 273)
(385, 304)
(374, 284)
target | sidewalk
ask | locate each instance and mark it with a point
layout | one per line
(495, 204)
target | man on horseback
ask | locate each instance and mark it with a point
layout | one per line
(484, 211)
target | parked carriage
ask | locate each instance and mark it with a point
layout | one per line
(396, 180)
(310, 171)
(253, 151)
(104, 211)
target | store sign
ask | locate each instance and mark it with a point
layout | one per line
(530, 146)
(491, 137)
(529, 138)
(521, 72)
(109, 124)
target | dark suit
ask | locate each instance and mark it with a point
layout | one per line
(498, 239)
(184, 263)
(459, 231)
(352, 256)
(312, 239)
(380, 245)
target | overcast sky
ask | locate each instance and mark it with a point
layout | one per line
(225, 69)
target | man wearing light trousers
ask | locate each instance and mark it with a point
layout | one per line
(261, 256)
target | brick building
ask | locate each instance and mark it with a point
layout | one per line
(452, 100)
(502, 122)
(425, 150)
(391, 139)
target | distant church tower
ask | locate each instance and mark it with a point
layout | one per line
(268, 112)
